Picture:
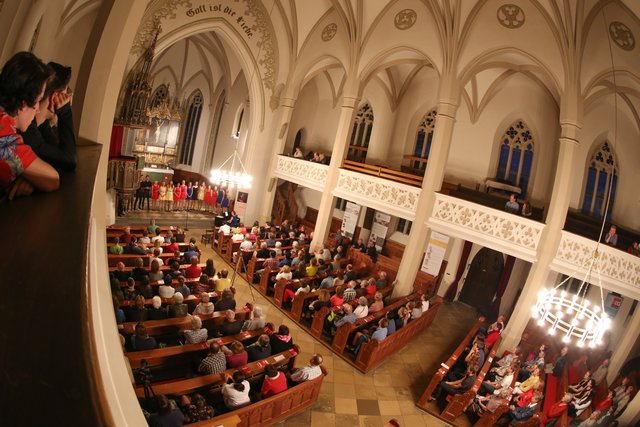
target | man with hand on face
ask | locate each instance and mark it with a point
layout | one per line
(51, 134)
(22, 82)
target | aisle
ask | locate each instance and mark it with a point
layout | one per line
(349, 398)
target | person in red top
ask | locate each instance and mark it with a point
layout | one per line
(183, 195)
(22, 83)
(173, 246)
(236, 355)
(274, 382)
(177, 196)
(194, 270)
(557, 409)
(155, 194)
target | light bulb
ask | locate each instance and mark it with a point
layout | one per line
(566, 339)
(580, 344)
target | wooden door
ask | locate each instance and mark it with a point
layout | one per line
(482, 280)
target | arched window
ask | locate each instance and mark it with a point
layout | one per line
(602, 175)
(361, 134)
(516, 156)
(190, 130)
(159, 96)
(424, 135)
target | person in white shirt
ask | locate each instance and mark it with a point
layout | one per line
(284, 273)
(362, 309)
(197, 333)
(166, 291)
(425, 302)
(247, 244)
(157, 237)
(235, 392)
(225, 228)
(205, 306)
(145, 238)
(312, 371)
(237, 237)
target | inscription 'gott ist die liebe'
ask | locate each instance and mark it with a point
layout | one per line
(226, 10)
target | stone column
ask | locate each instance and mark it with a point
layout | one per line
(340, 145)
(286, 111)
(624, 347)
(432, 182)
(631, 415)
(550, 238)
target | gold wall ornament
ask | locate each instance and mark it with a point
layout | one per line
(147, 29)
(329, 32)
(510, 16)
(405, 19)
(622, 35)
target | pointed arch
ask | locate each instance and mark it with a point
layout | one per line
(601, 181)
(361, 133)
(190, 130)
(159, 96)
(424, 135)
(515, 161)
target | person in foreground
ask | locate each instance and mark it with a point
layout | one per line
(22, 82)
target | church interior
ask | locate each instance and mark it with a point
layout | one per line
(467, 166)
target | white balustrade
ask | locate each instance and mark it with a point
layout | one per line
(309, 174)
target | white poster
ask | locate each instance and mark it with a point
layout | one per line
(241, 205)
(434, 255)
(350, 219)
(379, 229)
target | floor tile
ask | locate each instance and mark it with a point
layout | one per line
(346, 406)
(368, 407)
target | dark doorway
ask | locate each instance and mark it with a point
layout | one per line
(297, 142)
(482, 280)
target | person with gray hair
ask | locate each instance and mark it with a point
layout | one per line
(204, 306)
(157, 312)
(231, 325)
(255, 321)
(226, 301)
(362, 309)
(197, 333)
(178, 308)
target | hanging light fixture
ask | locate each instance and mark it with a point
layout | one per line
(573, 316)
(233, 175)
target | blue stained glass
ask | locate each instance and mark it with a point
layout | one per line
(527, 162)
(502, 162)
(588, 192)
(601, 194)
(513, 167)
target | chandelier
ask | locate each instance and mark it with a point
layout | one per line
(234, 176)
(573, 315)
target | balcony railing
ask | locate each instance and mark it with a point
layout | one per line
(619, 271)
(303, 172)
(378, 192)
(493, 228)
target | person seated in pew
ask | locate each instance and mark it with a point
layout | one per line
(391, 316)
(255, 321)
(284, 273)
(349, 292)
(361, 289)
(178, 308)
(230, 326)
(261, 349)
(425, 302)
(529, 383)
(158, 237)
(483, 404)
(130, 292)
(337, 298)
(582, 400)
(144, 288)
(498, 383)
(138, 271)
(226, 301)
(522, 413)
(156, 245)
(512, 205)
(126, 235)
(299, 258)
(335, 263)
(247, 244)
(204, 306)
(286, 261)
(215, 362)
(289, 294)
(556, 410)
(236, 354)
(622, 400)
(141, 340)
(528, 367)
(222, 282)
(377, 304)
(335, 319)
(281, 341)
(589, 422)
(155, 274)
(202, 285)
(327, 282)
(120, 317)
(323, 267)
(138, 313)
(524, 399)
(372, 251)
(197, 333)
(120, 273)
(177, 258)
(116, 290)
(312, 268)
(166, 290)
(191, 252)
(133, 248)
(235, 391)
(157, 312)
(378, 333)
(274, 382)
(182, 287)
(362, 310)
(579, 387)
(310, 371)
(155, 256)
(349, 273)
(603, 405)
(608, 417)
(166, 415)
(359, 245)
(382, 281)
(116, 249)
(263, 252)
(196, 409)
(173, 246)
(445, 388)
(324, 300)
(144, 240)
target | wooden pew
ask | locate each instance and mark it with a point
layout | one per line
(183, 246)
(222, 243)
(177, 325)
(490, 419)
(273, 409)
(252, 370)
(345, 332)
(130, 259)
(191, 302)
(165, 268)
(444, 367)
(375, 352)
(137, 228)
(460, 402)
(282, 284)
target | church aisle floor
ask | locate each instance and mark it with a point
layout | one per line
(350, 398)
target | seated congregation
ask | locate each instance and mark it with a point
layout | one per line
(536, 383)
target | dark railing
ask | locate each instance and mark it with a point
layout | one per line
(45, 339)
(589, 227)
(383, 172)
